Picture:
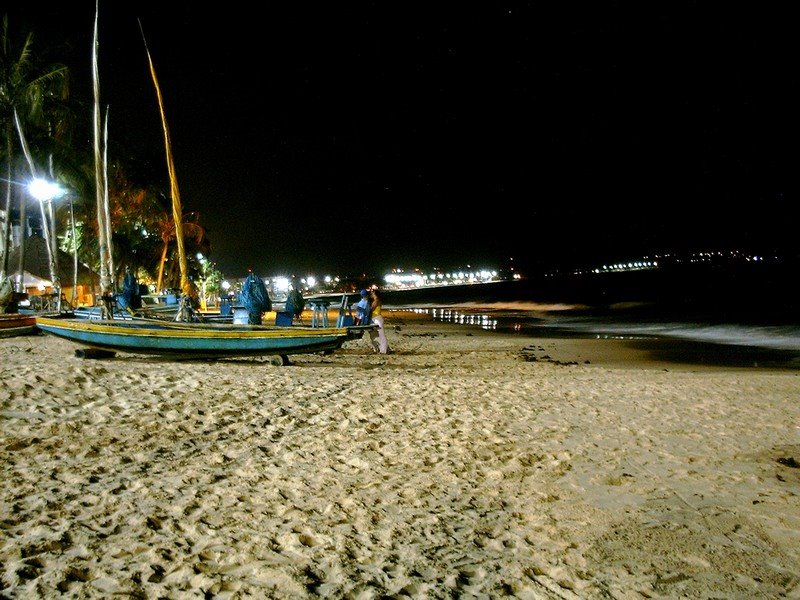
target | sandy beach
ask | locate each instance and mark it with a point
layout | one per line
(464, 464)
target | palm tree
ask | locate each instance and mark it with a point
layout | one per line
(27, 92)
(192, 232)
(34, 119)
(143, 228)
(135, 249)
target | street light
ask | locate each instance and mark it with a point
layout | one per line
(45, 192)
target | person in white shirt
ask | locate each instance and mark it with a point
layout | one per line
(363, 309)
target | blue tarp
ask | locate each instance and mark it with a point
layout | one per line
(254, 299)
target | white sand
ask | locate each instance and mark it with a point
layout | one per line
(451, 468)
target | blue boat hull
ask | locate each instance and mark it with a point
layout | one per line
(197, 339)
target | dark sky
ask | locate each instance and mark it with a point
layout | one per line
(351, 137)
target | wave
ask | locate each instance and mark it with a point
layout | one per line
(532, 318)
(775, 337)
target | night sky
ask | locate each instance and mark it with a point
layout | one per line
(352, 137)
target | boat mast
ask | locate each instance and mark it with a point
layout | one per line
(104, 229)
(177, 212)
(107, 206)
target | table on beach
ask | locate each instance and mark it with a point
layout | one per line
(319, 312)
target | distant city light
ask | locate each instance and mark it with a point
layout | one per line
(410, 279)
(399, 280)
(281, 284)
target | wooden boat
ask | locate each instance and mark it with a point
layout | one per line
(198, 340)
(12, 324)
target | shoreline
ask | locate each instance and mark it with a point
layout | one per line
(457, 465)
(621, 351)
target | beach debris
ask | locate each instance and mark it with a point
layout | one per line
(94, 353)
(528, 354)
(789, 462)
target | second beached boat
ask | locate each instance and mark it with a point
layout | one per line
(12, 324)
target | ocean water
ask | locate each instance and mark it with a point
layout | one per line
(734, 309)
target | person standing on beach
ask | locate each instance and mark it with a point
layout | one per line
(378, 338)
(362, 309)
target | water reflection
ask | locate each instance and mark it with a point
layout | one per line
(447, 315)
(780, 336)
